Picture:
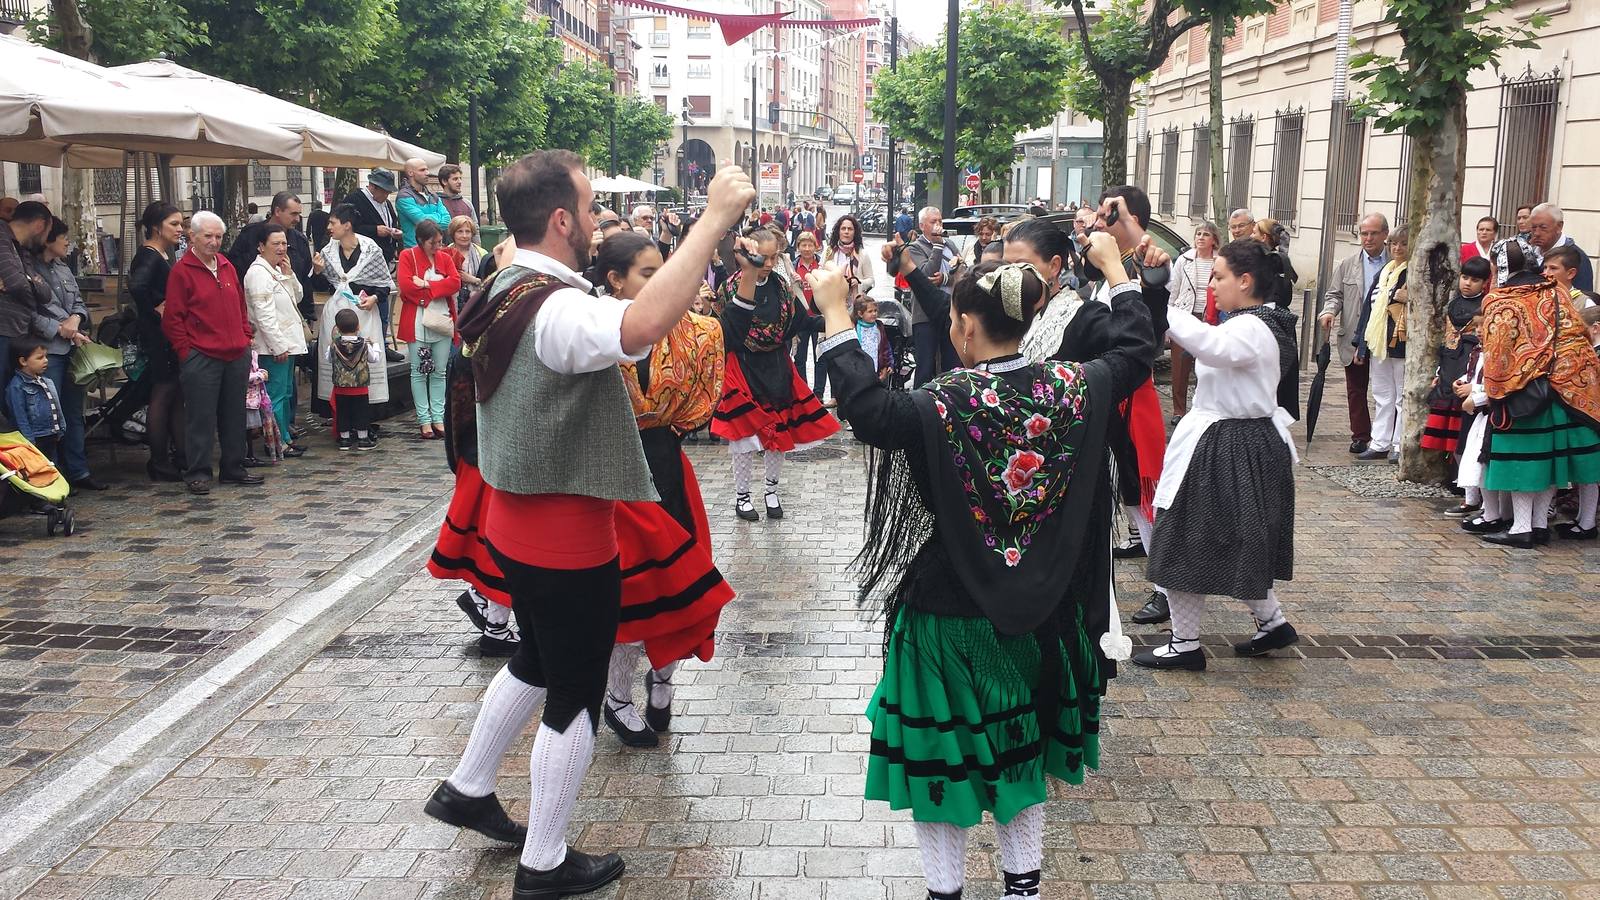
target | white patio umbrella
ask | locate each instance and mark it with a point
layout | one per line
(630, 185)
(56, 109)
(325, 140)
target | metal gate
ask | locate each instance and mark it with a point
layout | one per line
(1524, 143)
(1241, 144)
(1285, 199)
(1169, 172)
(1200, 171)
(1347, 186)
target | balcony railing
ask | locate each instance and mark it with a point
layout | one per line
(13, 13)
(660, 81)
(660, 38)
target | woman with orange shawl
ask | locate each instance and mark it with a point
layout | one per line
(1532, 333)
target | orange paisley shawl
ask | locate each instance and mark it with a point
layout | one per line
(1518, 342)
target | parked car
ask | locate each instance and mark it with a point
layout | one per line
(844, 194)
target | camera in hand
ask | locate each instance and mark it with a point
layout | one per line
(757, 260)
(1091, 272)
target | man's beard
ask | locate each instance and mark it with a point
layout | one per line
(580, 248)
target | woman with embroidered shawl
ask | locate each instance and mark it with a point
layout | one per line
(1534, 341)
(672, 592)
(978, 546)
(1225, 504)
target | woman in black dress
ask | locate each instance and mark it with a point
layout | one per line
(147, 282)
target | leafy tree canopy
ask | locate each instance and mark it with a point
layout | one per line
(1009, 80)
(642, 126)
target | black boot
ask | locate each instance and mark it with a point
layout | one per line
(1154, 610)
(484, 815)
(579, 873)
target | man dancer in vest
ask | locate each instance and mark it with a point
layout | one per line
(558, 445)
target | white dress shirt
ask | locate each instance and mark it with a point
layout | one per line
(1236, 377)
(576, 332)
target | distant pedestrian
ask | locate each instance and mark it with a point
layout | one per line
(451, 182)
(162, 225)
(273, 294)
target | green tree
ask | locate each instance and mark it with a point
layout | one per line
(1009, 80)
(294, 49)
(579, 98)
(1222, 17)
(641, 127)
(1130, 41)
(1424, 92)
(117, 32)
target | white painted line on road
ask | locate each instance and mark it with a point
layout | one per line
(45, 804)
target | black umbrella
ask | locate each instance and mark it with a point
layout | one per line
(1314, 397)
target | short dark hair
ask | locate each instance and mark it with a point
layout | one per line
(1477, 267)
(531, 189)
(31, 211)
(1527, 206)
(617, 253)
(1134, 199)
(1567, 255)
(347, 321)
(252, 208)
(57, 229)
(344, 212)
(1590, 314)
(268, 230)
(24, 347)
(1248, 256)
(973, 300)
(157, 212)
(281, 199)
(1043, 236)
(446, 170)
(427, 230)
(1491, 220)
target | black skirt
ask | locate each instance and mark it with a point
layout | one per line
(1230, 530)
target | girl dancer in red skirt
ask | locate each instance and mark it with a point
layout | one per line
(765, 404)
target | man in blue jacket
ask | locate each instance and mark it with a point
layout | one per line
(416, 202)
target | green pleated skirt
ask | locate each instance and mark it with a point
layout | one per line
(954, 729)
(1553, 449)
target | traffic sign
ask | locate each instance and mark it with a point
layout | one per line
(858, 176)
(869, 161)
(974, 182)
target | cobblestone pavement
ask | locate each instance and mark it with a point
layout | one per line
(1434, 735)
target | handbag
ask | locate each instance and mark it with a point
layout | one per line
(436, 318)
(92, 362)
(1535, 396)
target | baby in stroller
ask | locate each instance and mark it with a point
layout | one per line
(894, 323)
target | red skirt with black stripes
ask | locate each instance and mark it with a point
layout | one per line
(1442, 430)
(672, 592)
(740, 415)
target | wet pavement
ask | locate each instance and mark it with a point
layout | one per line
(250, 695)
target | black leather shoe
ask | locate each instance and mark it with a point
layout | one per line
(1191, 660)
(1129, 551)
(1484, 526)
(293, 451)
(1541, 536)
(1358, 446)
(645, 737)
(1463, 511)
(394, 356)
(659, 718)
(579, 873)
(198, 487)
(774, 508)
(470, 607)
(1574, 533)
(1523, 541)
(158, 472)
(87, 483)
(1154, 610)
(251, 462)
(484, 815)
(245, 479)
(493, 647)
(746, 510)
(1276, 639)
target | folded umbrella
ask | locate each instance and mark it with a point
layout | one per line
(1318, 383)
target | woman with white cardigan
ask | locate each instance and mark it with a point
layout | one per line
(272, 295)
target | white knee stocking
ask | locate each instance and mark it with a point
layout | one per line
(1522, 512)
(944, 855)
(742, 464)
(557, 766)
(1541, 507)
(497, 614)
(619, 684)
(661, 686)
(507, 707)
(1186, 609)
(1474, 495)
(1495, 506)
(1588, 500)
(772, 463)
(1268, 612)
(1022, 851)
(1142, 522)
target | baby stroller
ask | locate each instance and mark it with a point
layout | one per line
(28, 475)
(896, 322)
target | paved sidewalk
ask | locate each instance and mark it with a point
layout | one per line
(1434, 736)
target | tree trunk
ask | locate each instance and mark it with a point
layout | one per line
(345, 181)
(1219, 198)
(1438, 166)
(235, 197)
(1118, 91)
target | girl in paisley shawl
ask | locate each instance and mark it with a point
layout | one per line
(1533, 332)
(978, 547)
(1225, 520)
(765, 404)
(672, 593)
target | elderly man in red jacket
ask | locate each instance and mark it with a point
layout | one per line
(206, 322)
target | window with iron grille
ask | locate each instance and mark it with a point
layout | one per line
(1524, 144)
(29, 179)
(1286, 143)
(1347, 175)
(1141, 165)
(1241, 144)
(1402, 197)
(1169, 172)
(108, 185)
(1200, 171)
(260, 179)
(296, 179)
